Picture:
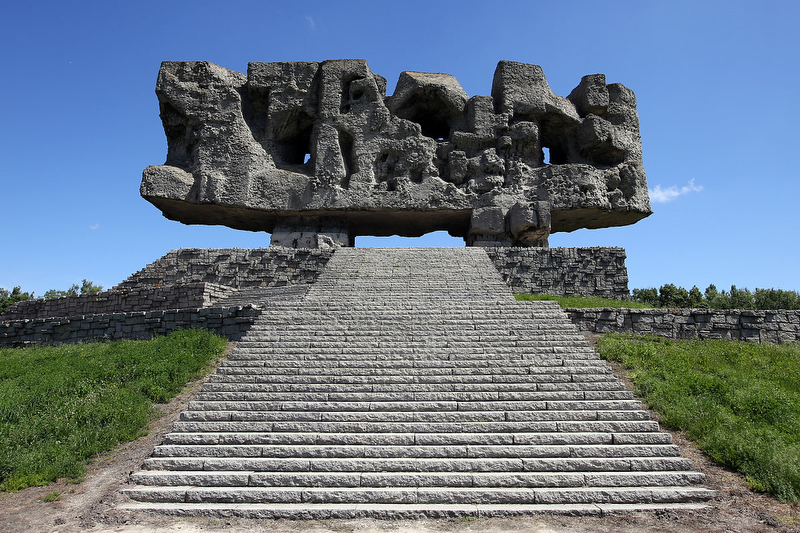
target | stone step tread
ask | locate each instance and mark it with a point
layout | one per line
(320, 511)
(416, 396)
(412, 405)
(328, 324)
(235, 478)
(433, 340)
(419, 494)
(417, 416)
(529, 381)
(354, 368)
(442, 439)
(422, 464)
(363, 356)
(442, 343)
(472, 451)
(638, 426)
(249, 386)
(337, 361)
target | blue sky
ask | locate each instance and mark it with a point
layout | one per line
(716, 83)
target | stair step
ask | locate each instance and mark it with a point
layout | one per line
(395, 439)
(552, 464)
(414, 451)
(245, 423)
(420, 495)
(319, 511)
(414, 479)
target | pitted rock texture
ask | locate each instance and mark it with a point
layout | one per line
(317, 154)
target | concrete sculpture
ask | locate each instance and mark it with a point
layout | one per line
(316, 154)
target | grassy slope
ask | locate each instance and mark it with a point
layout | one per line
(59, 406)
(740, 402)
(584, 301)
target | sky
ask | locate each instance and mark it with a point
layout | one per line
(716, 85)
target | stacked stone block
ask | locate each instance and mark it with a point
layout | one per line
(231, 322)
(125, 300)
(731, 324)
(564, 271)
(238, 268)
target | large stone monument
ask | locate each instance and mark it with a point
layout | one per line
(317, 154)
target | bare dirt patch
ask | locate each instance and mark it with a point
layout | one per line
(91, 505)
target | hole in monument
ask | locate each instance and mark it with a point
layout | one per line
(546, 159)
(346, 145)
(294, 149)
(430, 112)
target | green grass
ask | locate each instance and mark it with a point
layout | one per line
(52, 497)
(59, 406)
(584, 301)
(739, 402)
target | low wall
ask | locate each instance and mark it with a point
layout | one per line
(734, 324)
(233, 267)
(120, 300)
(230, 322)
(563, 271)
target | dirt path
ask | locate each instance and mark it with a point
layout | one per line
(91, 504)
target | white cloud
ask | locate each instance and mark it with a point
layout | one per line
(94, 226)
(662, 196)
(311, 24)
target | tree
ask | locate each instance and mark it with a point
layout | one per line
(776, 299)
(646, 296)
(696, 298)
(7, 299)
(87, 287)
(741, 298)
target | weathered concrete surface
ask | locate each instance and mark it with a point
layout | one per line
(317, 154)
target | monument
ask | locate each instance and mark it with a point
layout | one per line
(317, 154)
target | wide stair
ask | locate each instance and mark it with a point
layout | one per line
(409, 382)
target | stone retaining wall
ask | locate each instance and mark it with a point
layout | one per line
(230, 322)
(234, 267)
(143, 298)
(594, 271)
(734, 324)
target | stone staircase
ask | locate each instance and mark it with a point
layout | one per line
(409, 382)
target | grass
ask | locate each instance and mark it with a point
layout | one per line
(584, 301)
(52, 497)
(739, 402)
(59, 406)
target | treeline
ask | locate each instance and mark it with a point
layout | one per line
(9, 298)
(671, 296)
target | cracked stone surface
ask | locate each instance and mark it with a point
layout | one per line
(317, 154)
